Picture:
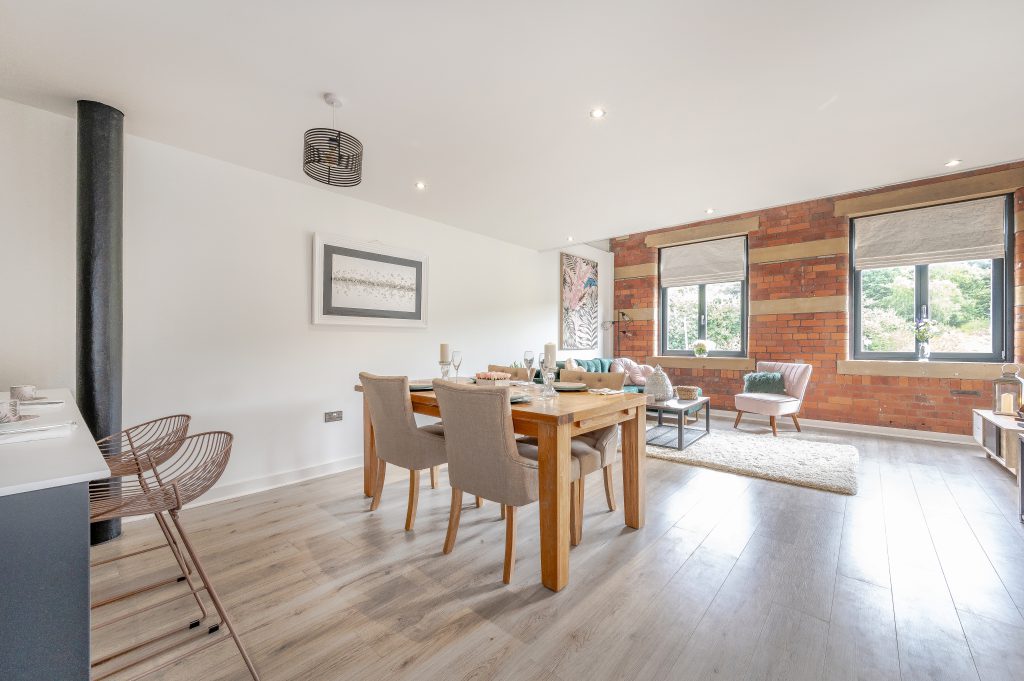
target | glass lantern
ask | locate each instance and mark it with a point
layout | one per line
(1009, 388)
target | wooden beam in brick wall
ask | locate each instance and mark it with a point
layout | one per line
(958, 189)
(798, 305)
(637, 271)
(800, 251)
(717, 230)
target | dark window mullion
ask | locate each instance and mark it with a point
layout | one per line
(922, 309)
(702, 312)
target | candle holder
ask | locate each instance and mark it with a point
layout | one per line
(446, 370)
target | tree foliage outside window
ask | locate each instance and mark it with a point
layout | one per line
(959, 296)
(723, 310)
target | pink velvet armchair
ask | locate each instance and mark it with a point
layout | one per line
(795, 377)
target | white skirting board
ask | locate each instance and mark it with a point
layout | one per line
(883, 431)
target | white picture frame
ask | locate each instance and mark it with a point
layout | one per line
(368, 283)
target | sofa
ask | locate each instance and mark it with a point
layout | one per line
(636, 373)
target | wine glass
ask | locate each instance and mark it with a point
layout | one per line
(528, 363)
(456, 362)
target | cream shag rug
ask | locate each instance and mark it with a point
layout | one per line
(822, 465)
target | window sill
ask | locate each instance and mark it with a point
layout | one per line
(936, 369)
(688, 362)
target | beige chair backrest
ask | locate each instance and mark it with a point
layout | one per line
(396, 438)
(483, 459)
(794, 376)
(594, 379)
(518, 373)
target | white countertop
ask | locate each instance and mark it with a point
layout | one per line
(31, 466)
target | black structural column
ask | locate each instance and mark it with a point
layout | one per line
(100, 173)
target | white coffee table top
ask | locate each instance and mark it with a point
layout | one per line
(41, 464)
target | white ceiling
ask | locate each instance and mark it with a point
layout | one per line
(736, 105)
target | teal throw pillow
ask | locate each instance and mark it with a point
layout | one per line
(764, 382)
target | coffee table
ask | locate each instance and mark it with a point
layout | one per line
(680, 408)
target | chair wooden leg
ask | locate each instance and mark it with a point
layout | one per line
(775, 426)
(609, 485)
(579, 512)
(453, 520)
(796, 422)
(575, 512)
(510, 542)
(414, 497)
(736, 423)
(382, 466)
(502, 511)
(479, 502)
(433, 476)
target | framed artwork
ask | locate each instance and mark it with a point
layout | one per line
(367, 283)
(578, 319)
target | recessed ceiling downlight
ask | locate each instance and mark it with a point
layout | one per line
(953, 163)
(421, 185)
(709, 211)
(598, 113)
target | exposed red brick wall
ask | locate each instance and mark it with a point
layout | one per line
(820, 339)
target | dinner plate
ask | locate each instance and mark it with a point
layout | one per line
(562, 386)
(420, 387)
(14, 425)
(519, 399)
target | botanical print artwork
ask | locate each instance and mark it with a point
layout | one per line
(359, 283)
(579, 303)
(367, 283)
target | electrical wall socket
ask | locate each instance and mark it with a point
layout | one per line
(330, 416)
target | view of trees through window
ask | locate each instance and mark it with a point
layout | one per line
(723, 309)
(959, 302)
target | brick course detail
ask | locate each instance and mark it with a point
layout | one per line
(820, 339)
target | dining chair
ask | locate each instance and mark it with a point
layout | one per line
(517, 373)
(485, 459)
(397, 438)
(131, 453)
(181, 478)
(604, 440)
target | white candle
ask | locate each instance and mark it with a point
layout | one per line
(549, 354)
(446, 352)
(1006, 404)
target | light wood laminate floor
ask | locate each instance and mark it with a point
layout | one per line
(918, 577)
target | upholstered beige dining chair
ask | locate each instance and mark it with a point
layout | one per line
(605, 440)
(795, 378)
(485, 459)
(397, 438)
(517, 373)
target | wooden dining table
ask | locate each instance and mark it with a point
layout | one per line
(554, 423)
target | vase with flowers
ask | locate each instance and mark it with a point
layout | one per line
(700, 348)
(924, 331)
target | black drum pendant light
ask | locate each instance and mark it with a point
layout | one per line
(331, 156)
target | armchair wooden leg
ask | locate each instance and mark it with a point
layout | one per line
(453, 520)
(414, 497)
(502, 511)
(433, 476)
(796, 422)
(775, 427)
(736, 423)
(609, 485)
(378, 487)
(479, 502)
(510, 542)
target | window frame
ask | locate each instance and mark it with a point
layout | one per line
(1002, 301)
(702, 323)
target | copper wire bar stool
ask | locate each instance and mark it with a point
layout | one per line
(182, 477)
(130, 453)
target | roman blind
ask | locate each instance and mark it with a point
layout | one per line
(969, 230)
(705, 262)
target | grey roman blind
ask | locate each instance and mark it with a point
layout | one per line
(706, 262)
(970, 230)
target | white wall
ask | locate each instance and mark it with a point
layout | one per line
(217, 297)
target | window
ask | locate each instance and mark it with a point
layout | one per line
(944, 264)
(704, 297)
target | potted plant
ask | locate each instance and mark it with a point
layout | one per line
(701, 348)
(924, 330)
